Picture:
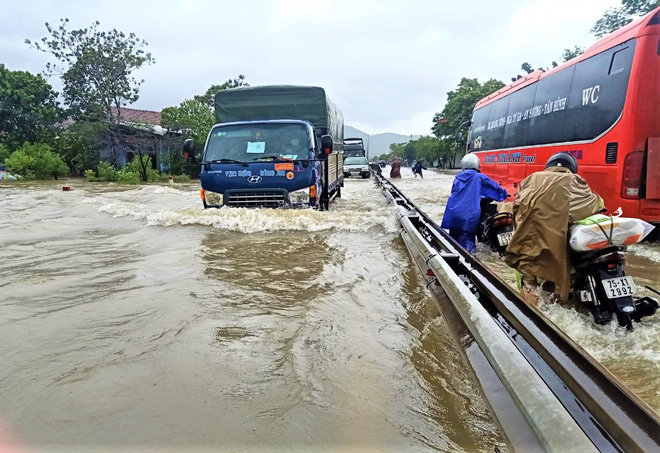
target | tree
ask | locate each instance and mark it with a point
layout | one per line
(529, 69)
(456, 115)
(28, 108)
(569, 54)
(4, 153)
(615, 18)
(36, 161)
(208, 98)
(96, 68)
(195, 116)
(191, 116)
(78, 145)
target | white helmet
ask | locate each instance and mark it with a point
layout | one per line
(470, 161)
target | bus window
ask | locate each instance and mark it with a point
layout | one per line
(547, 124)
(479, 128)
(597, 98)
(619, 61)
(496, 123)
(517, 127)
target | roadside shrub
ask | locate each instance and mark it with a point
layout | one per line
(181, 178)
(36, 161)
(140, 163)
(107, 172)
(125, 176)
(90, 176)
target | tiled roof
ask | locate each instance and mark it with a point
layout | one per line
(140, 116)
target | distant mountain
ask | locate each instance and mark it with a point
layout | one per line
(379, 143)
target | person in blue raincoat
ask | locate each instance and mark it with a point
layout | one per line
(463, 209)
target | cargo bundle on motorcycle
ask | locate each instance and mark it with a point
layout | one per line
(600, 231)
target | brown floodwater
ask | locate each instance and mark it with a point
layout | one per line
(132, 319)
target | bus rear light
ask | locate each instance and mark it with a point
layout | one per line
(201, 193)
(632, 174)
(312, 191)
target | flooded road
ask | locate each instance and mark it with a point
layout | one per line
(634, 358)
(131, 318)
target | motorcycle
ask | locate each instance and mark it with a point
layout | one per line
(495, 228)
(601, 283)
(598, 247)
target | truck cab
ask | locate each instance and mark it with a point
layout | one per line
(354, 147)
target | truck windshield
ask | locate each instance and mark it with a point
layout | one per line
(353, 150)
(249, 142)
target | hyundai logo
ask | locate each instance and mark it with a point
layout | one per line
(254, 179)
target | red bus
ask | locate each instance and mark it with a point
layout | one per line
(603, 107)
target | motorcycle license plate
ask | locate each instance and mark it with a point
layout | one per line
(504, 238)
(619, 287)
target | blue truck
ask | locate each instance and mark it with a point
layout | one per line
(273, 146)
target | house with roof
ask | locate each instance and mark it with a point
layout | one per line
(140, 132)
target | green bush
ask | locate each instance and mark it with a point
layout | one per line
(134, 166)
(126, 176)
(36, 161)
(181, 178)
(90, 176)
(107, 172)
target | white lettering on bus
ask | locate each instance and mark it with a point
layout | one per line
(590, 95)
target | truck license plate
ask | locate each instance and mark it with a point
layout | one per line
(504, 238)
(619, 287)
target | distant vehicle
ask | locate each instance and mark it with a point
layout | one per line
(602, 107)
(273, 146)
(354, 147)
(357, 166)
(382, 163)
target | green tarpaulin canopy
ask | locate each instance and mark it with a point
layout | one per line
(278, 102)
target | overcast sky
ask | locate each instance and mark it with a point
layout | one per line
(388, 65)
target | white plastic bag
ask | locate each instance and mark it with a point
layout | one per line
(600, 231)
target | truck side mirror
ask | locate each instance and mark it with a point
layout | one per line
(189, 148)
(326, 144)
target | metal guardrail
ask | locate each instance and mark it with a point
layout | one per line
(608, 414)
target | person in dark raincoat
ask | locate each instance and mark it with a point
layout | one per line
(463, 209)
(417, 169)
(395, 172)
